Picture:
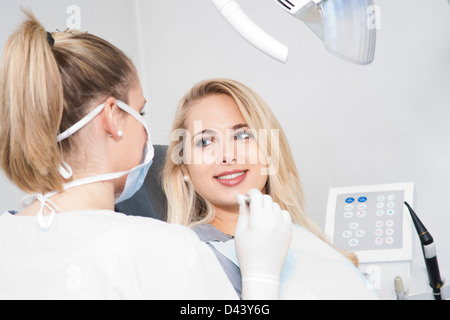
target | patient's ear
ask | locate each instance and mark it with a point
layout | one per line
(110, 114)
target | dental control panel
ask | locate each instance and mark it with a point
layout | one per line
(371, 221)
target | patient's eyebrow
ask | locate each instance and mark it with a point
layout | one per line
(208, 131)
(239, 126)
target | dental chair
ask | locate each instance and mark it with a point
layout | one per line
(150, 201)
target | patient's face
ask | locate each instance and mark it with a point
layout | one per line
(222, 156)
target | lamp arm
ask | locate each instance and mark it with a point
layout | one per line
(250, 31)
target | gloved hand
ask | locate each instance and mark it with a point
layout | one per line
(263, 236)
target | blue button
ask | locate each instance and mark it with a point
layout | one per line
(349, 200)
(362, 199)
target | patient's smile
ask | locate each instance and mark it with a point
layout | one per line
(231, 178)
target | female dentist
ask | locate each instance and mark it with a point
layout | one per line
(73, 136)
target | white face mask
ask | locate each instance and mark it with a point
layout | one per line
(134, 181)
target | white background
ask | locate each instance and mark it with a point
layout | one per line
(347, 125)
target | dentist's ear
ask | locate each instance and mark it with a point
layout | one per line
(110, 114)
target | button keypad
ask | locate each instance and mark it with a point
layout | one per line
(369, 221)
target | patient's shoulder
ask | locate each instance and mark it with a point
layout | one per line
(207, 232)
(306, 242)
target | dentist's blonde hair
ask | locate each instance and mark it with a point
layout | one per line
(47, 87)
(188, 207)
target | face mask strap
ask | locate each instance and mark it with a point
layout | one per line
(65, 171)
(132, 112)
(91, 115)
(80, 124)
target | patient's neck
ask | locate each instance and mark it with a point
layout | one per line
(226, 219)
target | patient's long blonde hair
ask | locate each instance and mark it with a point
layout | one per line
(187, 207)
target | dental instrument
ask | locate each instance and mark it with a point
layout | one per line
(429, 252)
(399, 288)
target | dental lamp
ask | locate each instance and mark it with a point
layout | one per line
(345, 26)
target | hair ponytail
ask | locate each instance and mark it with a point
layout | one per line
(31, 107)
(47, 84)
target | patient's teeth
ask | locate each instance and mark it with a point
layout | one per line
(231, 176)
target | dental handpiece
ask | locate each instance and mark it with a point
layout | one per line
(399, 288)
(429, 253)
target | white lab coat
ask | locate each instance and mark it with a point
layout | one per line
(106, 255)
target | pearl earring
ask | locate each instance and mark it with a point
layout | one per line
(119, 134)
(186, 178)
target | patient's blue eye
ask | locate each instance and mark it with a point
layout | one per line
(204, 142)
(242, 135)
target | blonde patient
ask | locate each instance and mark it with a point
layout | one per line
(225, 142)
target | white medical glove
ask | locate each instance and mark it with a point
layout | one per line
(263, 236)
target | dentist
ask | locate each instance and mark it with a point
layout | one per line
(72, 135)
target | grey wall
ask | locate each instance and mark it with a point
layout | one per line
(347, 125)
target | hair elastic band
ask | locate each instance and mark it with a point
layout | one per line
(50, 39)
